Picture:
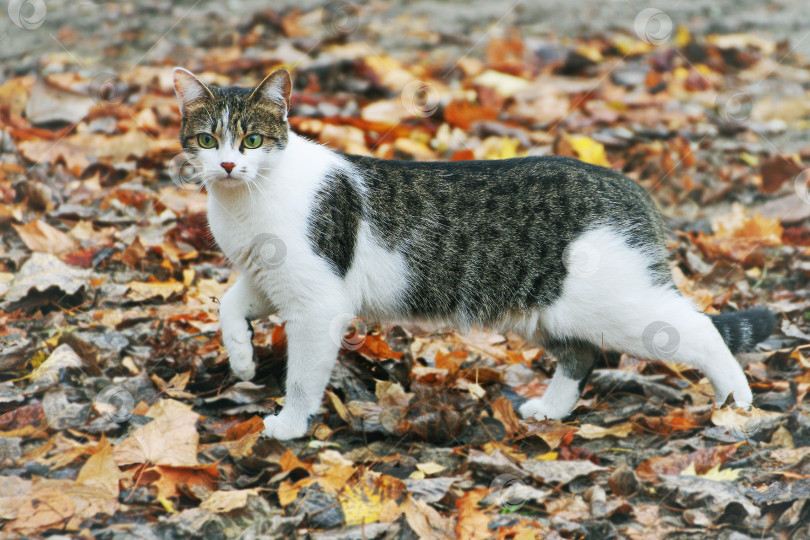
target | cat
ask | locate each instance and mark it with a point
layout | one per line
(564, 252)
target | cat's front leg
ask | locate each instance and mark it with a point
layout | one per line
(238, 306)
(312, 349)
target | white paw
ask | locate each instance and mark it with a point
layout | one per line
(541, 409)
(743, 398)
(284, 428)
(240, 356)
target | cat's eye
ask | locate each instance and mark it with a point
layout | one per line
(206, 140)
(254, 140)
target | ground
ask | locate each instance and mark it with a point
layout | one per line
(118, 413)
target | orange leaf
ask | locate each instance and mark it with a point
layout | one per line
(289, 461)
(472, 523)
(463, 113)
(248, 427)
(376, 347)
(175, 480)
(450, 361)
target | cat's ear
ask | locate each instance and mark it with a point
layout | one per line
(276, 88)
(189, 88)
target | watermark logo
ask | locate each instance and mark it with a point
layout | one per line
(186, 170)
(653, 26)
(801, 185)
(420, 99)
(27, 14)
(661, 340)
(581, 259)
(734, 106)
(340, 18)
(348, 331)
(115, 403)
(508, 491)
(269, 251)
(107, 89)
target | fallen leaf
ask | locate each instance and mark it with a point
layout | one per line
(43, 271)
(169, 439)
(225, 501)
(590, 431)
(39, 236)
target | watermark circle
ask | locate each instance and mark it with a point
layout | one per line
(581, 259)
(186, 169)
(734, 106)
(115, 403)
(27, 14)
(348, 331)
(269, 251)
(801, 186)
(507, 490)
(108, 89)
(340, 18)
(653, 26)
(420, 98)
(661, 339)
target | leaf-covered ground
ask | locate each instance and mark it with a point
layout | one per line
(118, 415)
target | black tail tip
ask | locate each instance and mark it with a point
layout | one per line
(742, 330)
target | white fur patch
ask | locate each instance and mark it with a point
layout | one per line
(616, 305)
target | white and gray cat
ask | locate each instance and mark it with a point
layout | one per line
(566, 253)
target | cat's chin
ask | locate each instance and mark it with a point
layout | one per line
(229, 182)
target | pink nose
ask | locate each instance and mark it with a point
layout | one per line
(228, 166)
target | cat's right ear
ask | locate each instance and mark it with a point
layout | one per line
(189, 88)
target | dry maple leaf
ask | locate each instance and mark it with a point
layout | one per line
(169, 439)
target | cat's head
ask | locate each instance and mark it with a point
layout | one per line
(234, 133)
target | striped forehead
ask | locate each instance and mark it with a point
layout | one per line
(231, 115)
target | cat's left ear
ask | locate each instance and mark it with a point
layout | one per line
(276, 88)
(189, 88)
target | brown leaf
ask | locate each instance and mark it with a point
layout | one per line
(39, 236)
(169, 439)
(100, 470)
(677, 420)
(703, 460)
(778, 170)
(503, 410)
(225, 501)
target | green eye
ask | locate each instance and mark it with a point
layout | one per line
(253, 140)
(206, 140)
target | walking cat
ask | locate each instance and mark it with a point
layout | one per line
(566, 253)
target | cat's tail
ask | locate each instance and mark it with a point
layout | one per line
(741, 330)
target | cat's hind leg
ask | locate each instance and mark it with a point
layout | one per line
(621, 304)
(575, 361)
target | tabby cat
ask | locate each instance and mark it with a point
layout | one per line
(563, 252)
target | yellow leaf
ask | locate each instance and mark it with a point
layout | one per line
(749, 159)
(430, 468)
(167, 505)
(548, 456)
(714, 473)
(589, 150)
(682, 36)
(362, 501)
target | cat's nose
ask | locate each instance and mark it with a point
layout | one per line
(228, 166)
